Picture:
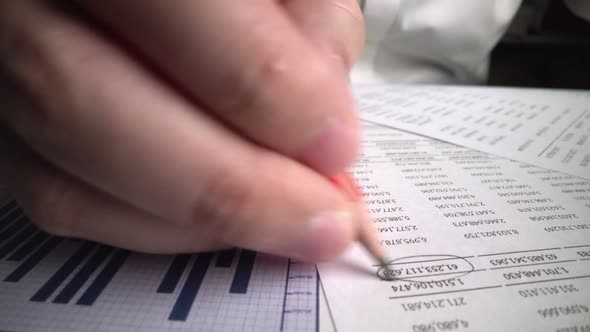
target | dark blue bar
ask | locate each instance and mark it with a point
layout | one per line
(17, 240)
(243, 273)
(104, 278)
(12, 229)
(6, 208)
(29, 246)
(33, 260)
(68, 292)
(64, 271)
(189, 291)
(225, 258)
(11, 216)
(15, 214)
(174, 273)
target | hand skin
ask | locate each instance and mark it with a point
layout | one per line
(182, 128)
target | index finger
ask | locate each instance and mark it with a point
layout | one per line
(251, 67)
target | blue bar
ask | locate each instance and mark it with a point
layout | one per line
(15, 214)
(64, 271)
(189, 291)
(173, 274)
(13, 229)
(104, 278)
(33, 260)
(72, 287)
(7, 207)
(11, 216)
(243, 273)
(29, 246)
(17, 240)
(225, 258)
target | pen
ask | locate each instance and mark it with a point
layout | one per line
(366, 233)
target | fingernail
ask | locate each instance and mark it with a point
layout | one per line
(333, 149)
(327, 236)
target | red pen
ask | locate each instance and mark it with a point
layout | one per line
(366, 235)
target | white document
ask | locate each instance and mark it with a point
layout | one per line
(475, 242)
(546, 128)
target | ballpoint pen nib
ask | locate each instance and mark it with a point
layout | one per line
(385, 272)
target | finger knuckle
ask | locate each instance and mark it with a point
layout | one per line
(250, 90)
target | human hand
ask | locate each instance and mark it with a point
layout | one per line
(182, 126)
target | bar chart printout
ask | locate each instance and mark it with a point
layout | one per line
(48, 282)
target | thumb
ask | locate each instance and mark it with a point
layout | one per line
(337, 27)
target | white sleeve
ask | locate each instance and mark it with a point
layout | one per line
(431, 41)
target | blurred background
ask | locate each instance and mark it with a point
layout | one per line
(546, 45)
(525, 43)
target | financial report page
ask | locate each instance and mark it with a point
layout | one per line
(475, 242)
